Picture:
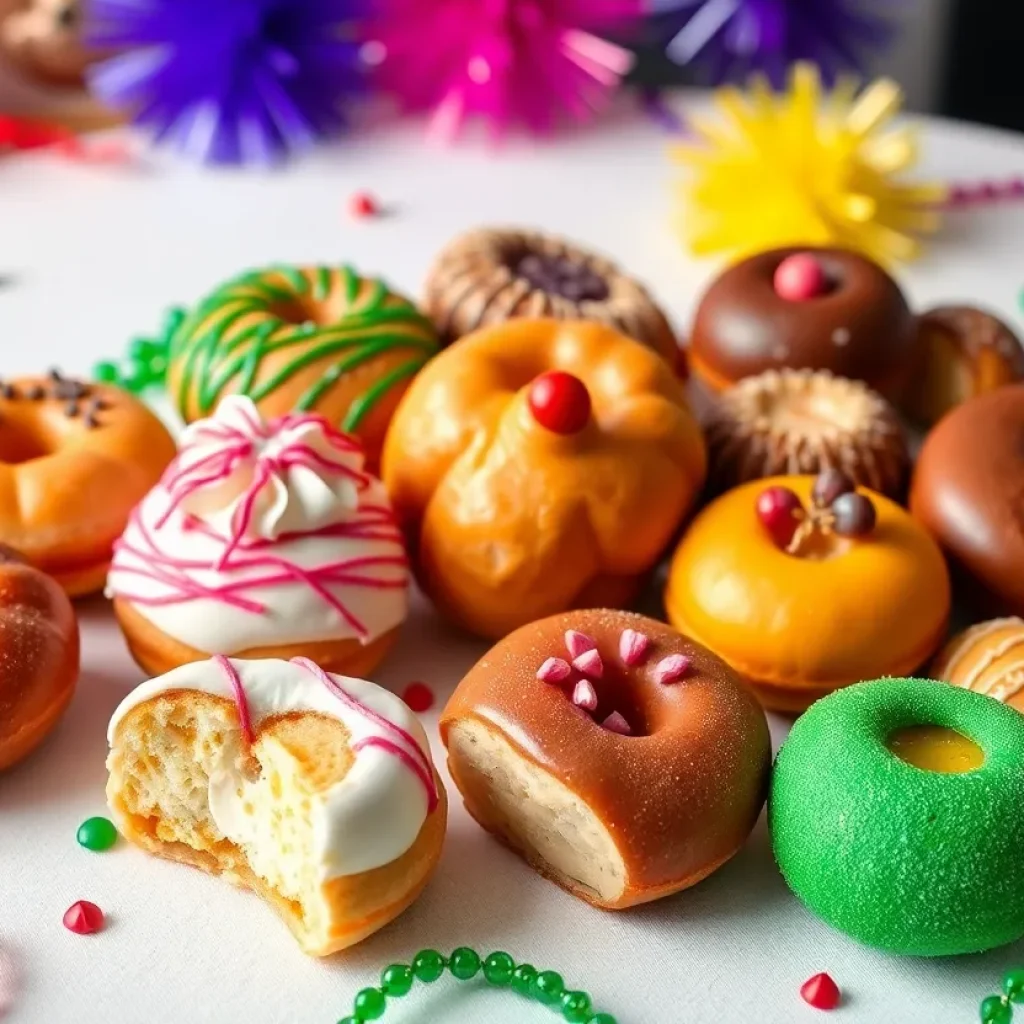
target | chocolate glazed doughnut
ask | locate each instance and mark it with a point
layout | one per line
(845, 315)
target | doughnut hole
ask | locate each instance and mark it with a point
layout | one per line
(935, 748)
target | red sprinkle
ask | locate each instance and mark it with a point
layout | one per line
(821, 992)
(554, 670)
(633, 646)
(585, 696)
(577, 643)
(83, 918)
(419, 697)
(671, 669)
(559, 402)
(800, 277)
(362, 205)
(616, 723)
(589, 664)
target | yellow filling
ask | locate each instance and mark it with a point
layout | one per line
(934, 748)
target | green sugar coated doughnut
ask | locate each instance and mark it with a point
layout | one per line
(903, 859)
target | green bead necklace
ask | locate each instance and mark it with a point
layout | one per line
(498, 969)
(997, 1009)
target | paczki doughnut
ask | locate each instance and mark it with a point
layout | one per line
(309, 339)
(264, 539)
(620, 759)
(38, 656)
(315, 791)
(75, 458)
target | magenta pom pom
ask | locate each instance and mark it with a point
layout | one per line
(532, 64)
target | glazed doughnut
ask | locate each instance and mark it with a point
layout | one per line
(264, 539)
(75, 458)
(988, 658)
(490, 275)
(849, 318)
(38, 656)
(620, 759)
(315, 791)
(520, 484)
(309, 339)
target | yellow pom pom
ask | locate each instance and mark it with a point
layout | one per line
(805, 167)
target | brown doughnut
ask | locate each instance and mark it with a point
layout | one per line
(491, 275)
(963, 352)
(614, 819)
(803, 421)
(860, 327)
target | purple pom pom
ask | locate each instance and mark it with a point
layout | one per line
(728, 39)
(230, 81)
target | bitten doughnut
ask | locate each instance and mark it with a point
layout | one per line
(790, 422)
(805, 584)
(305, 339)
(966, 489)
(815, 309)
(264, 539)
(38, 656)
(491, 275)
(987, 658)
(315, 791)
(621, 760)
(74, 460)
(539, 466)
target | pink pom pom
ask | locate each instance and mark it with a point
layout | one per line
(671, 669)
(584, 695)
(616, 723)
(554, 670)
(589, 664)
(633, 646)
(578, 643)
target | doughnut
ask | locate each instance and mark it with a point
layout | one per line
(987, 658)
(963, 352)
(43, 39)
(621, 760)
(74, 460)
(804, 585)
(490, 275)
(895, 816)
(520, 485)
(38, 656)
(967, 490)
(792, 422)
(264, 539)
(839, 312)
(306, 339)
(315, 791)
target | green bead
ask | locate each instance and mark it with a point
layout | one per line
(370, 1004)
(428, 965)
(106, 372)
(396, 980)
(547, 987)
(136, 382)
(498, 968)
(576, 1008)
(1013, 985)
(141, 350)
(350, 1020)
(97, 834)
(464, 963)
(602, 1018)
(157, 367)
(995, 1011)
(522, 978)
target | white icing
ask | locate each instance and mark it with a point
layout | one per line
(369, 818)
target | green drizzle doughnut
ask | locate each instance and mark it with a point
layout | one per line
(311, 338)
(907, 860)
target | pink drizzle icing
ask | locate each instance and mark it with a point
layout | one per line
(241, 702)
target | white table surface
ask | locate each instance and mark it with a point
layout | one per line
(96, 254)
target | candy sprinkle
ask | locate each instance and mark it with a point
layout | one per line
(584, 695)
(577, 643)
(821, 992)
(671, 669)
(554, 670)
(363, 205)
(633, 646)
(419, 697)
(589, 664)
(83, 918)
(97, 834)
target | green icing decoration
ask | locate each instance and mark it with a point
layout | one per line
(215, 356)
(906, 860)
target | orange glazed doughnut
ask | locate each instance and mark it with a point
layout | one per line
(799, 625)
(621, 760)
(75, 458)
(538, 466)
(38, 656)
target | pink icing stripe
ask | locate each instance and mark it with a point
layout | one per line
(244, 719)
(409, 762)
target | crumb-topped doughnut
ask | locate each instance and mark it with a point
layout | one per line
(539, 466)
(74, 460)
(623, 761)
(265, 538)
(315, 791)
(305, 339)
(815, 309)
(790, 422)
(490, 275)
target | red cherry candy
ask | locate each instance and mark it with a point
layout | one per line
(362, 204)
(821, 992)
(560, 402)
(83, 918)
(419, 697)
(780, 512)
(800, 277)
